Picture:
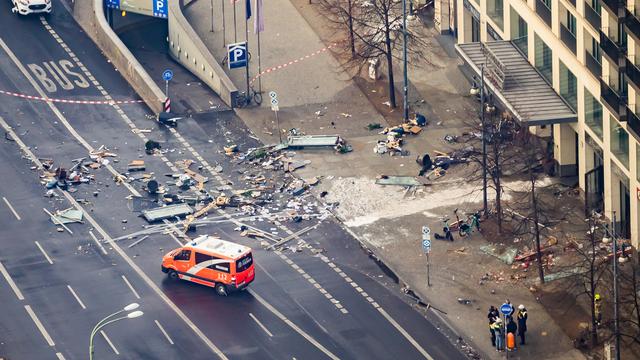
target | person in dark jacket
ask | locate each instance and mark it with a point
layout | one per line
(522, 316)
(492, 316)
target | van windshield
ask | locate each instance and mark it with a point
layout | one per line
(244, 263)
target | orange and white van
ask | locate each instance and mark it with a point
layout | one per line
(210, 261)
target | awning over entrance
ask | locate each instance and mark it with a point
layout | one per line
(516, 83)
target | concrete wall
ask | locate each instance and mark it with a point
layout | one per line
(90, 15)
(186, 47)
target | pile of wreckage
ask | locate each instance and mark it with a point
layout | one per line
(79, 173)
(395, 136)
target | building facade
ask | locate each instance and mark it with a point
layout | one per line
(589, 52)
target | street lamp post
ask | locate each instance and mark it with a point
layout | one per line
(616, 315)
(475, 91)
(111, 319)
(405, 88)
(610, 235)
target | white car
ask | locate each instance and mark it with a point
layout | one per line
(26, 7)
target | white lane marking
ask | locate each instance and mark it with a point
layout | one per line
(131, 287)
(98, 242)
(164, 332)
(56, 111)
(13, 285)
(76, 296)
(44, 253)
(39, 325)
(60, 356)
(292, 325)
(15, 213)
(104, 335)
(405, 334)
(264, 328)
(105, 235)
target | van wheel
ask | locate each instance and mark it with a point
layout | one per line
(173, 275)
(221, 289)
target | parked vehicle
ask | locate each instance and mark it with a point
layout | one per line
(213, 262)
(26, 7)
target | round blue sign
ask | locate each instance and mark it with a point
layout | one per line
(506, 309)
(167, 75)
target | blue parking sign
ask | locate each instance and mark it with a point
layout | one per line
(237, 55)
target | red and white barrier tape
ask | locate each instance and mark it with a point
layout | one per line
(295, 61)
(69, 101)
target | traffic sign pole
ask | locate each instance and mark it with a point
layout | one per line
(426, 247)
(167, 75)
(274, 106)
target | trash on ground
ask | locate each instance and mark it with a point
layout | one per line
(401, 180)
(166, 212)
(136, 165)
(67, 216)
(297, 141)
(507, 255)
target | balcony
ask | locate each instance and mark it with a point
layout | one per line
(612, 50)
(568, 38)
(633, 121)
(632, 23)
(614, 102)
(592, 16)
(615, 7)
(593, 65)
(633, 74)
(543, 11)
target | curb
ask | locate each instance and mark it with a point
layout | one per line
(398, 279)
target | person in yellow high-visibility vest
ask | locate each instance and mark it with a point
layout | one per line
(597, 308)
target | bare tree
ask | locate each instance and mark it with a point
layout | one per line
(499, 133)
(374, 28)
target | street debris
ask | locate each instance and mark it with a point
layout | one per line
(401, 180)
(506, 254)
(394, 141)
(167, 212)
(67, 216)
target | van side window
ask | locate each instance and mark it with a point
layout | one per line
(184, 255)
(222, 266)
(202, 257)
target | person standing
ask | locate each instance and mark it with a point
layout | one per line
(597, 304)
(492, 316)
(499, 333)
(522, 316)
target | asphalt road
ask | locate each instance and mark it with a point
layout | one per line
(303, 305)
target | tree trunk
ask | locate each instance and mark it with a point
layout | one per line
(389, 56)
(496, 175)
(351, 37)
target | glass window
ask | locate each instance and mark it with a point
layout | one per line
(519, 32)
(495, 10)
(568, 86)
(547, 3)
(595, 50)
(202, 257)
(571, 23)
(219, 265)
(184, 255)
(595, 4)
(244, 263)
(593, 113)
(619, 142)
(543, 59)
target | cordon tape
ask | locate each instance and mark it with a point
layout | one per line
(69, 101)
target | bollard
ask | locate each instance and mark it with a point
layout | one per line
(511, 341)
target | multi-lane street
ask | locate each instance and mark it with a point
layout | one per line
(329, 300)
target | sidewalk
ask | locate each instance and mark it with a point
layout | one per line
(387, 220)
